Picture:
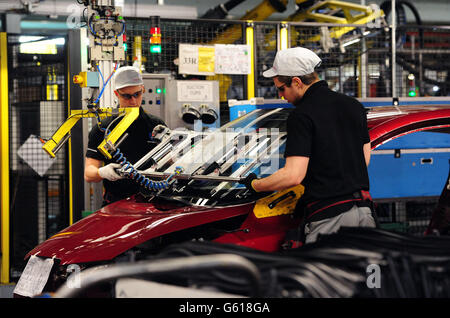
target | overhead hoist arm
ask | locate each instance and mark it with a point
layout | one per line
(62, 135)
(327, 12)
(338, 12)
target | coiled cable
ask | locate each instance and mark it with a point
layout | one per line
(141, 179)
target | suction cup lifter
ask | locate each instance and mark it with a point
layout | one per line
(189, 114)
(207, 115)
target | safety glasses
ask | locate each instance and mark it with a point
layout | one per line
(128, 96)
(281, 88)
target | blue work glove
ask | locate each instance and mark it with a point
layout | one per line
(247, 181)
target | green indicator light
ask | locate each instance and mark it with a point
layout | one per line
(97, 17)
(158, 91)
(412, 94)
(120, 17)
(125, 47)
(164, 90)
(155, 48)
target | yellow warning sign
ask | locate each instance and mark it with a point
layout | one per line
(206, 59)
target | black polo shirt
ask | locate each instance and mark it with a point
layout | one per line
(330, 128)
(134, 147)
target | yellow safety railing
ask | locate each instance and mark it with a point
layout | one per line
(70, 148)
(284, 36)
(250, 41)
(4, 158)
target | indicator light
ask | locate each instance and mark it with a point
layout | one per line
(155, 35)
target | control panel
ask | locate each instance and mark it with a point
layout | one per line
(192, 104)
(153, 100)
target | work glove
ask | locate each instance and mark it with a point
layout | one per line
(247, 181)
(109, 172)
(159, 129)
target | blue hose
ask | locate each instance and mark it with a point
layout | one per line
(138, 177)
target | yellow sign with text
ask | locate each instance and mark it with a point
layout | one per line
(206, 59)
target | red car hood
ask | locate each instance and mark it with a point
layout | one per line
(119, 226)
(387, 123)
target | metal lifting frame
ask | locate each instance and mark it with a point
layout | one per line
(222, 159)
(63, 133)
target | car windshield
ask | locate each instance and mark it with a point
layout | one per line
(203, 168)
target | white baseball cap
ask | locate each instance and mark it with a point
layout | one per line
(127, 76)
(297, 61)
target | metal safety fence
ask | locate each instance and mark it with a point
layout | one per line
(37, 106)
(358, 60)
(175, 32)
(422, 59)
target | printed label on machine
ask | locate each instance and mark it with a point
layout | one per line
(232, 59)
(34, 276)
(196, 59)
(195, 91)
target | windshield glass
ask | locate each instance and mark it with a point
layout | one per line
(203, 168)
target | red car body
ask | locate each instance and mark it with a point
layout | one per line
(123, 225)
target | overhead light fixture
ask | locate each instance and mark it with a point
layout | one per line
(29, 38)
(34, 45)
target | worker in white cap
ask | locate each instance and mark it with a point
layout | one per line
(327, 149)
(129, 89)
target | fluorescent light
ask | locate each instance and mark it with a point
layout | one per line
(351, 42)
(40, 47)
(28, 38)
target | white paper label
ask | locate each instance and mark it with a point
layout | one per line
(196, 59)
(195, 91)
(34, 276)
(232, 59)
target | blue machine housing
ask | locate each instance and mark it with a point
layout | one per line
(414, 165)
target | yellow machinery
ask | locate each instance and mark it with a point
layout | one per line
(60, 137)
(336, 12)
(328, 11)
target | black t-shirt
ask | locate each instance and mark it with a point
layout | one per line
(134, 147)
(330, 128)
